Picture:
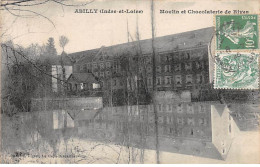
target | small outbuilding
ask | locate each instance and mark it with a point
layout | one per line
(82, 82)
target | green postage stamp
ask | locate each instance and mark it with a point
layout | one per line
(236, 71)
(236, 32)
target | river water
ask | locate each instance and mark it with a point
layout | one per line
(161, 133)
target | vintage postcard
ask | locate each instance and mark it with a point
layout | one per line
(130, 82)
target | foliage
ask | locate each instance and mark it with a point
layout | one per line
(26, 73)
(50, 48)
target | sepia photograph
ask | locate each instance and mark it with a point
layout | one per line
(130, 81)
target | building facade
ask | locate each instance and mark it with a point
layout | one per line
(123, 70)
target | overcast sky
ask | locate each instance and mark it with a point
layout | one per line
(89, 31)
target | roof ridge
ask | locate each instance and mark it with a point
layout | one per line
(156, 38)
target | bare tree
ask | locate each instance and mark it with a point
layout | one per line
(154, 83)
(63, 41)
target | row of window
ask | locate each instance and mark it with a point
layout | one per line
(181, 108)
(140, 115)
(191, 121)
(146, 128)
(105, 65)
(177, 56)
(94, 65)
(159, 69)
(168, 80)
(188, 108)
(170, 120)
(183, 56)
(82, 86)
(102, 74)
(176, 67)
(187, 55)
(180, 120)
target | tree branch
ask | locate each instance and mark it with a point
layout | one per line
(16, 3)
(60, 2)
(29, 61)
(30, 11)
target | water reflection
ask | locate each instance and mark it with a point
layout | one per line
(198, 129)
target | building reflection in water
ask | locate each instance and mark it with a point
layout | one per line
(199, 129)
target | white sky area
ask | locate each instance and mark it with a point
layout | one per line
(89, 31)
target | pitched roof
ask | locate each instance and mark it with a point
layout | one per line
(87, 55)
(83, 114)
(83, 77)
(167, 43)
(219, 108)
(170, 42)
(63, 58)
(67, 60)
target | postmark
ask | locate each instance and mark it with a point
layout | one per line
(237, 32)
(236, 70)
